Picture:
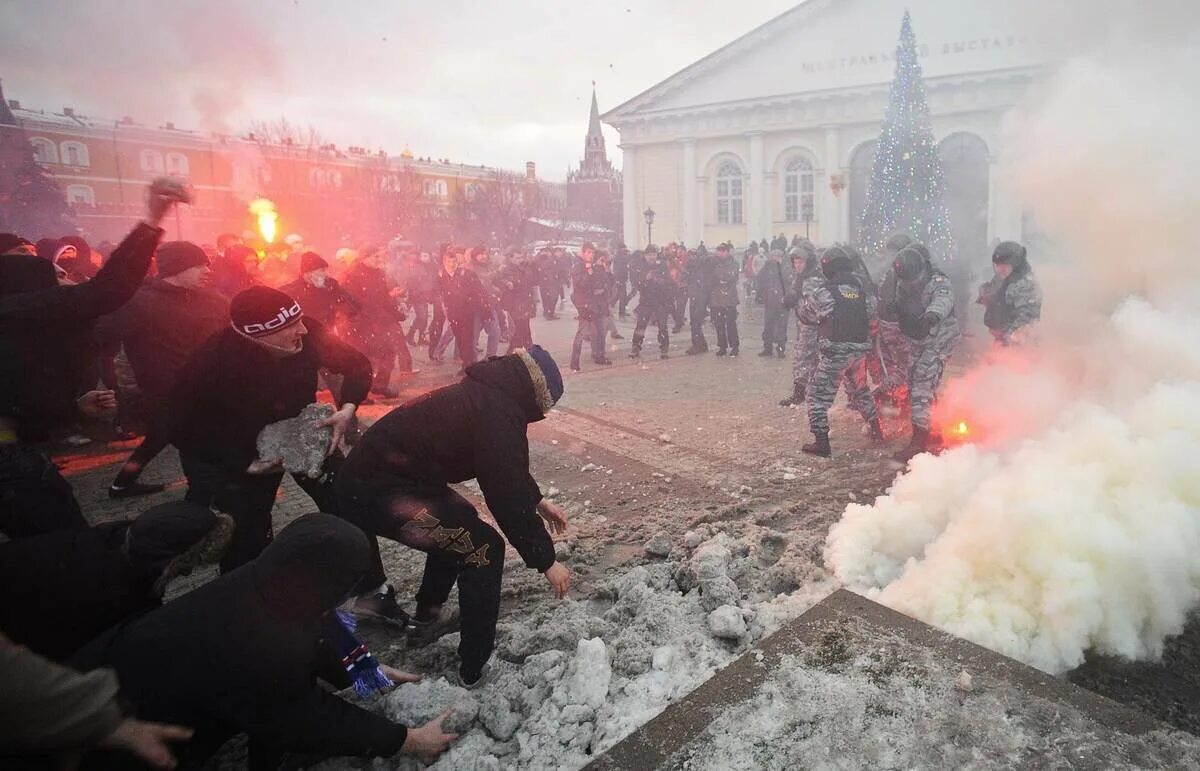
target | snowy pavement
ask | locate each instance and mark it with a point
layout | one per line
(696, 529)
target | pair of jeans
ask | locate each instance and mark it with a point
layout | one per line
(486, 321)
(460, 549)
(725, 320)
(588, 329)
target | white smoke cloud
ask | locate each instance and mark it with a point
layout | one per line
(1075, 524)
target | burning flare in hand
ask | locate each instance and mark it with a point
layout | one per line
(267, 216)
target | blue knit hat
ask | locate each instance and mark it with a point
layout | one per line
(554, 379)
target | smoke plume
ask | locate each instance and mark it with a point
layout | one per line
(1074, 523)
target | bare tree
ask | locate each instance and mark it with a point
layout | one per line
(283, 132)
(499, 208)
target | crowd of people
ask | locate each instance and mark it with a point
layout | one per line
(203, 347)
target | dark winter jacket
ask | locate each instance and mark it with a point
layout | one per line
(231, 388)
(40, 323)
(473, 429)
(589, 291)
(771, 285)
(323, 303)
(620, 266)
(656, 292)
(421, 281)
(243, 653)
(378, 317)
(724, 292)
(160, 328)
(60, 590)
(515, 282)
(638, 265)
(697, 275)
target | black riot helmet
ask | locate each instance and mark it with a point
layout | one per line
(836, 260)
(910, 263)
(897, 241)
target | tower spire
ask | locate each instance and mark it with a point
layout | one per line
(594, 119)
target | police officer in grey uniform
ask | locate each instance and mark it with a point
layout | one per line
(1012, 297)
(807, 278)
(893, 349)
(843, 310)
(924, 308)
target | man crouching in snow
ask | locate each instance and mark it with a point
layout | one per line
(396, 483)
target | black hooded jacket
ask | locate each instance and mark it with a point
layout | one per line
(473, 429)
(243, 653)
(60, 590)
(43, 327)
(231, 388)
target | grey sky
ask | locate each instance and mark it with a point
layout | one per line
(498, 82)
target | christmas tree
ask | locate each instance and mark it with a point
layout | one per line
(905, 191)
(31, 203)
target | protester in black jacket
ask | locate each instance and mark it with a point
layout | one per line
(35, 498)
(376, 330)
(516, 281)
(60, 590)
(242, 654)
(421, 285)
(260, 370)
(165, 322)
(396, 484)
(589, 294)
(319, 294)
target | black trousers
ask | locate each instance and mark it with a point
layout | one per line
(464, 338)
(460, 549)
(725, 320)
(436, 326)
(775, 323)
(549, 299)
(697, 311)
(622, 296)
(154, 442)
(522, 335)
(645, 319)
(34, 497)
(249, 499)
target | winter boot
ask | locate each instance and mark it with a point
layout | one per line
(917, 445)
(797, 397)
(779, 352)
(636, 351)
(721, 352)
(875, 434)
(820, 446)
(766, 352)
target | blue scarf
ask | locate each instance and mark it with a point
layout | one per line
(357, 660)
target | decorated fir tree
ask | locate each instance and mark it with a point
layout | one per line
(905, 191)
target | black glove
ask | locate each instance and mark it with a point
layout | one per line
(929, 321)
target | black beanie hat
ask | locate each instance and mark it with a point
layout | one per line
(261, 310)
(312, 261)
(174, 257)
(10, 241)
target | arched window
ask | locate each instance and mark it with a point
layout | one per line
(335, 178)
(44, 151)
(151, 161)
(177, 164)
(442, 190)
(81, 194)
(75, 154)
(729, 194)
(316, 177)
(798, 191)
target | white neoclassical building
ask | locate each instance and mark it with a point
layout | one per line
(775, 132)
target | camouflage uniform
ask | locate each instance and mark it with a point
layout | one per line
(895, 350)
(1011, 306)
(930, 351)
(839, 359)
(806, 333)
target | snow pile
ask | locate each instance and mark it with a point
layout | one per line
(873, 712)
(572, 680)
(1077, 526)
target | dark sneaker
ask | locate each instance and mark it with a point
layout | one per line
(635, 354)
(133, 489)
(381, 606)
(575, 368)
(423, 633)
(470, 680)
(604, 362)
(721, 352)
(734, 352)
(664, 355)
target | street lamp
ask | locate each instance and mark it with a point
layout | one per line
(649, 215)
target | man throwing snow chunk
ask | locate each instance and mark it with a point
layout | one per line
(396, 483)
(841, 310)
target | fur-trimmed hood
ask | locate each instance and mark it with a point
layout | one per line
(520, 377)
